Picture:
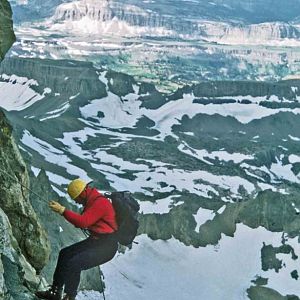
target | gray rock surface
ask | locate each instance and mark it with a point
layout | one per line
(27, 230)
(18, 278)
(7, 36)
(24, 246)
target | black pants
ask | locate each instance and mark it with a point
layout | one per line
(82, 256)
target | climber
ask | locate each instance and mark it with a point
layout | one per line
(98, 217)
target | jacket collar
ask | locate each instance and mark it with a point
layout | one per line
(92, 195)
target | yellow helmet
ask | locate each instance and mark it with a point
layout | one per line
(76, 187)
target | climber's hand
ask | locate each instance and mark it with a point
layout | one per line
(56, 207)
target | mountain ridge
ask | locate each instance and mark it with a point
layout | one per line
(256, 11)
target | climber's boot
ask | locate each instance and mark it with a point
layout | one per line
(53, 293)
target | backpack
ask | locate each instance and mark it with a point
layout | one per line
(126, 208)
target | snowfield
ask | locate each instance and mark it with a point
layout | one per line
(170, 270)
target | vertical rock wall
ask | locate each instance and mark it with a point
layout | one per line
(24, 246)
(14, 200)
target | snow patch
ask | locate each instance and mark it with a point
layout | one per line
(202, 216)
(16, 93)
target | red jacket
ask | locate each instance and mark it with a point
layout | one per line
(98, 215)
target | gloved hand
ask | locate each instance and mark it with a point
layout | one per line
(56, 207)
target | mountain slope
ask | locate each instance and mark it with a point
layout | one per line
(175, 153)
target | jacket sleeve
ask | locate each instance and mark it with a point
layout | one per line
(89, 217)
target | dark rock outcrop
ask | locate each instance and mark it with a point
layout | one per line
(212, 89)
(7, 36)
(15, 271)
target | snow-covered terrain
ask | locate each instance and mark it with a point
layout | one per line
(162, 269)
(17, 92)
(126, 112)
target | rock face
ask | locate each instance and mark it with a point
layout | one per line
(27, 230)
(85, 83)
(15, 271)
(24, 246)
(211, 89)
(99, 12)
(106, 11)
(256, 11)
(7, 36)
(254, 33)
